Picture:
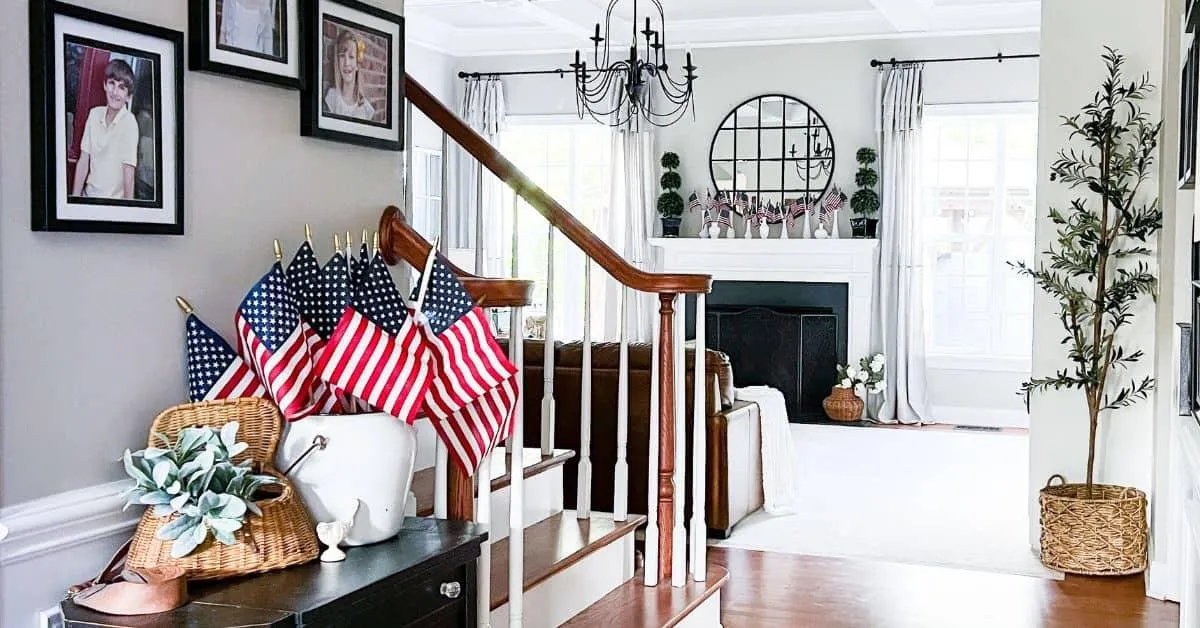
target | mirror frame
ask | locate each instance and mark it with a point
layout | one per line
(758, 189)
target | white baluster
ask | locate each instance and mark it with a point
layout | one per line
(483, 516)
(441, 471)
(444, 215)
(583, 503)
(621, 472)
(699, 449)
(678, 534)
(479, 270)
(516, 492)
(516, 335)
(650, 566)
(548, 352)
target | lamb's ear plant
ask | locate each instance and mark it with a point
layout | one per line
(196, 478)
(1097, 267)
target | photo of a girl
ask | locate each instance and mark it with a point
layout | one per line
(355, 59)
(345, 96)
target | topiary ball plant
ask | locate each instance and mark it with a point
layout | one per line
(865, 201)
(670, 203)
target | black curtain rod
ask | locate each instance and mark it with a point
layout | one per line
(1000, 57)
(559, 71)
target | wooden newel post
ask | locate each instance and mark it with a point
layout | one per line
(666, 434)
(460, 493)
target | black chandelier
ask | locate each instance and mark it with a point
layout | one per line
(620, 88)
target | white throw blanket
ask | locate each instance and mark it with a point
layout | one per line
(779, 489)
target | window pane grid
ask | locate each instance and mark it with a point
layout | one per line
(980, 180)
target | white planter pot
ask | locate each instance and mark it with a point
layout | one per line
(367, 457)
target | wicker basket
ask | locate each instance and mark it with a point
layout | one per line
(843, 405)
(283, 536)
(1104, 535)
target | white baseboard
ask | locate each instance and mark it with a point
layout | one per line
(707, 615)
(979, 417)
(1160, 582)
(56, 541)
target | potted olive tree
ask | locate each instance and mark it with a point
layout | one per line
(865, 202)
(1097, 269)
(670, 203)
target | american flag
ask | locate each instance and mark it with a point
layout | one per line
(694, 202)
(272, 339)
(833, 203)
(376, 352)
(215, 371)
(475, 387)
(304, 279)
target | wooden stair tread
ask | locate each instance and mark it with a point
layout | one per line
(534, 463)
(635, 605)
(555, 544)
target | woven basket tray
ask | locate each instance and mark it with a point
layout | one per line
(283, 536)
(1105, 534)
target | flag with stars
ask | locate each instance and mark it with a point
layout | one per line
(215, 371)
(334, 295)
(833, 203)
(474, 389)
(272, 339)
(304, 280)
(375, 352)
(303, 274)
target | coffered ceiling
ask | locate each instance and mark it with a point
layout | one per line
(490, 27)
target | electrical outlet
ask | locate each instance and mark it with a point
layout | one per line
(51, 618)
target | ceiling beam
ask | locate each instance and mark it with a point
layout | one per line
(905, 16)
(539, 13)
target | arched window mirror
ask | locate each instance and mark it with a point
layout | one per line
(772, 150)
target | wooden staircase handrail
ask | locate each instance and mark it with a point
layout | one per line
(399, 241)
(591, 245)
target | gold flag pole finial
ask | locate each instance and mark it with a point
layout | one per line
(349, 242)
(307, 233)
(278, 252)
(337, 243)
(184, 305)
(375, 243)
(366, 236)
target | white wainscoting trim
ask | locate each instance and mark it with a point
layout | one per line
(65, 520)
(707, 615)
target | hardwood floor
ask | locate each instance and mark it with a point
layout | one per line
(772, 589)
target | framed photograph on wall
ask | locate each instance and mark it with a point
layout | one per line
(106, 122)
(354, 78)
(257, 40)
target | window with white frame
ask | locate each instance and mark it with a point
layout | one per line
(979, 170)
(572, 161)
(427, 192)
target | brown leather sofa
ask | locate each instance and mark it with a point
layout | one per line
(733, 467)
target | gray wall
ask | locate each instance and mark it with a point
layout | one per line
(90, 338)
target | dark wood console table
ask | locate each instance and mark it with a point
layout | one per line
(423, 577)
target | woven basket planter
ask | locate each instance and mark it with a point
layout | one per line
(843, 405)
(283, 536)
(1105, 534)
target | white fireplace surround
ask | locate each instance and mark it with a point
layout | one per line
(851, 262)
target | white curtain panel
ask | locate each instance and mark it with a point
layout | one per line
(632, 196)
(483, 109)
(898, 329)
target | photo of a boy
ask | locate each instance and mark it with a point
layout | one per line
(108, 149)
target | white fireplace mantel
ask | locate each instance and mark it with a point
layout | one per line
(852, 262)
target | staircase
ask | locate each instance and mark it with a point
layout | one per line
(543, 565)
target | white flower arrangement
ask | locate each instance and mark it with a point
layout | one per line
(866, 377)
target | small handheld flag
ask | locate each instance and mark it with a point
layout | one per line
(214, 369)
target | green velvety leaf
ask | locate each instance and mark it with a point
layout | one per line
(179, 501)
(133, 471)
(209, 502)
(253, 507)
(157, 497)
(152, 453)
(163, 510)
(229, 434)
(226, 538)
(163, 470)
(206, 459)
(177, 528)
(234, 508)
(219, 524)
(237, 448)
(184, 545)
(200, 532)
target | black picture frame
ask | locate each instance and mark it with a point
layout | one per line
(207, 54)
(52, 207)
(315, 121)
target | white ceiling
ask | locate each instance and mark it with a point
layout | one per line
(491, 27)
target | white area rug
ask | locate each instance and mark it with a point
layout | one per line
(928, 497)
